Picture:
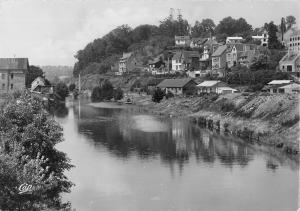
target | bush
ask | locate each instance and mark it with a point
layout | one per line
(103, 92)
(158, 95)
(72, 87)
(227, 106)
(118, 94)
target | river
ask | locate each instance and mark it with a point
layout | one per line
(126, 159)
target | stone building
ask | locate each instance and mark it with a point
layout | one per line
(12, 74)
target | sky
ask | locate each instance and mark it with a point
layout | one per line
(50, 32)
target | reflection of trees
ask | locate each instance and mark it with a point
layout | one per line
(60, 110)
(173, 146)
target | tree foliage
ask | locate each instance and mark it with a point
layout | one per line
(118, 94)
(158, 95)
(290, 21)
(233, 27)
(61, 91)
(204, 29)
(105, 91)
(273, 42)
(29, 156)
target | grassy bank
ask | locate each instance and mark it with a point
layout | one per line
(257, 117)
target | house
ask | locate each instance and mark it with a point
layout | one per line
(152, 84)
(12, 74)
(294, 42)
(247, 58)
(127, 63)
(182, 41)
(285, 37)
(177, 86)
(263, 38)
(197, 42)
(290, 88)
(274, 86)
(234, 40)
(219, 60)
(39, 86)
(213, 86)
(235, 51)
(290, 62)
(185, 60)
(205, 59)
(157, 67)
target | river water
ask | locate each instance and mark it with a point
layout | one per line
(129, 160)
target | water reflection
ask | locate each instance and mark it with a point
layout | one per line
(129, 160)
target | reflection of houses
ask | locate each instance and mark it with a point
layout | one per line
(12, 74)
(185, 60)
(182, 41)
(177, 86)
(218, 87)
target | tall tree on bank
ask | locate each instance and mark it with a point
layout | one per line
(290, 21)
(273, 42)
(282, 27)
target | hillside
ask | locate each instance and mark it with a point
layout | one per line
(57, 71)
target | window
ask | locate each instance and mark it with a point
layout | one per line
(3, 75)
(12, 76)
(11, 86)
(3, 86)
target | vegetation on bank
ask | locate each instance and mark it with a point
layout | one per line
(106, 91)
(28, 156)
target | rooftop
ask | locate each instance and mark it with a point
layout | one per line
(126, 55)
(174, 83)
(14, 63)
(220, 50)
(208, 83)
(275, 82)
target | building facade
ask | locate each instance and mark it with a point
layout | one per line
(182, 41)
(12, 74)
(294, 41)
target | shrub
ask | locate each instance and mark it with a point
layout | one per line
(158, 95)
(118, 94)
(72, 87)
(103, 92)
(61, 91)
(227, 106)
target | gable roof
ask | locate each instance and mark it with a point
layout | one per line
(208, 83)
(181, 82)
(220, 50)
(290, 57)
(275, 82)
(126, 55)
(14, 63)
(291, 86)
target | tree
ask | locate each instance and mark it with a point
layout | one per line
(158, 95)
(61, 91)
(273, 42)
(72, 86)
(231, 27)
(118, 94)
(33, 73)
(290, 21)
(105, 91)
(203, 29)
(29, 156)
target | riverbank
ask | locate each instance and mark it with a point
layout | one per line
(255, 117)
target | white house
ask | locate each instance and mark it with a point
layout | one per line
(264, 38)
(182, 41)
(39, 81)
(213, 86)
(233, 40)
